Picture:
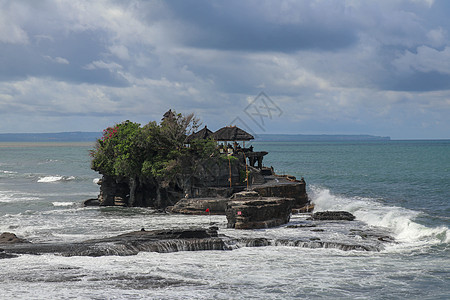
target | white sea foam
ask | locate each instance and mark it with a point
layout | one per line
(48, 161)
(96, 180)
(63, 203)
(11, 196)
(48, 179)
(7, 172)
(398, 220)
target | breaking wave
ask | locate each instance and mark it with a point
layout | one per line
(7, 172)
(48, 179)
(63, 203)
(398, 220)
(13, 196)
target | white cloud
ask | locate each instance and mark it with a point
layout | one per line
(10, 31)
(58, 60)
(99, 64)
(425, 60)
(120, 51)
(437, 37)
(147, 44)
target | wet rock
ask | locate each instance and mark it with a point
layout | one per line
(372, 234)
(11, 238)
(255, 242)
(259, 213)
(91, 202)
(301, 226)
(333, 215)
(308, 208)
(284, 188)
(199, 206)
(7, 255)
(171, 240)
(244, 195)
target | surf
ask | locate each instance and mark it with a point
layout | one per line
(401, 222)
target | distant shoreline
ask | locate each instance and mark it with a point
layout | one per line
(45, 144)
(91, 137)
(318, 137)
(59, 137)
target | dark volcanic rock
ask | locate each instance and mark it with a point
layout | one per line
(282, 187)
(244, 195)
(308, 208)
(301, 226)
(198, 206)
(333, 215)
(6, 255)
(11, 238)
(173, 240)
(259, 213)
(372, 234)
(211, 178)
(129, 244)
(91, 202)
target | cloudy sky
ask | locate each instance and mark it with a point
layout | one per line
(309, 67)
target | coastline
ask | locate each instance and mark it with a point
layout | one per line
(45, 144)
(379, 190)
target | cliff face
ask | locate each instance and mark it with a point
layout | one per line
(200, 187)
(210, 178)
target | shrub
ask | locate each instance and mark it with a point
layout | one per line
(154, 150)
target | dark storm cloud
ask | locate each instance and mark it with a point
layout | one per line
(366, 65)
(239, 25)
(62, 57)
(419, 82)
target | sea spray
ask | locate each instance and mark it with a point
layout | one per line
(48, 179)
(398, 220)
(402, 270)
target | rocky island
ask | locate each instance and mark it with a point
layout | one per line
(178, 168)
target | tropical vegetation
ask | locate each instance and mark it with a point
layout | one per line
(150, 151)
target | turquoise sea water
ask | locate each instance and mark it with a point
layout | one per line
(410, 174)
(402, 187)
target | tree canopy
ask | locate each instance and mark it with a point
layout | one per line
(153, 150)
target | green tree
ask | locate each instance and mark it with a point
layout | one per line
(154, 150)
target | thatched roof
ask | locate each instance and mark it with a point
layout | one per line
(168, 115)
(232, 133)
(199, 135)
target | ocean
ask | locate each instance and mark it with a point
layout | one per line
(401, 188)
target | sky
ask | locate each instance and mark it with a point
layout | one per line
(296, 67)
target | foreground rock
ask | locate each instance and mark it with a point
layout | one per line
(91, 202)
(259, 213)
(333, 216)
(11, 238)
(284, 187)
(164, 241)
(199, 206)
(128, 244)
